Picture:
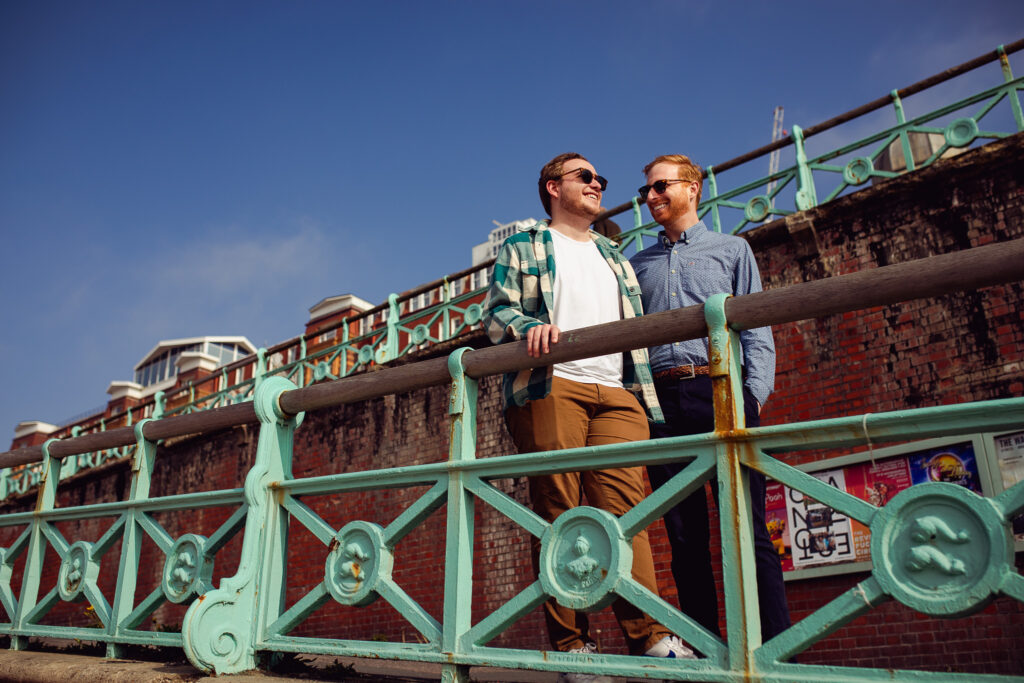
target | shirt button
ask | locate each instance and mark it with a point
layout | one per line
(673, 293)
(673, 270)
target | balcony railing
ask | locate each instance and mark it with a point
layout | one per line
(967, 122)
(228, 628)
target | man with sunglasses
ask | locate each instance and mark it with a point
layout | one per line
(560, 275)
(683, 268)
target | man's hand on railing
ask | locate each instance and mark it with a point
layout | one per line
(539, 339)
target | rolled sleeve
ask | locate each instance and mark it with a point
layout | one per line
(758, 345)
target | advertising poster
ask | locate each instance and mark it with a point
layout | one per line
(1010, 456)
(954, 464)
(808, 533)
(876, 484)
(775, 519)
(819, 534)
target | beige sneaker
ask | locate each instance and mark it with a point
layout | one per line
(588, 649)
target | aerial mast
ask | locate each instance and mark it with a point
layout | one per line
(773, 160)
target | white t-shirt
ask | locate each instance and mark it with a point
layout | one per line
(585, 293)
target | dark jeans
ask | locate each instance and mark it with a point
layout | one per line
(688, 410)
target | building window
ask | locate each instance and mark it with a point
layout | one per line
(479, 279)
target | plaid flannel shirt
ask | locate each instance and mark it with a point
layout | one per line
(521, 296)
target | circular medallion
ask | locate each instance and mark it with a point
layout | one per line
(757, 208)
(419, 334)
(357, 563)
(583, 556)
(474, 314)
(321, 371)
(188, 571)
(961, 132)
(76, 570)
(858, 171)
(940, 549)
(365, 354)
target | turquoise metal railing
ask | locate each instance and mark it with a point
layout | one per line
(455, 315)
(936, 548)
(812, 177)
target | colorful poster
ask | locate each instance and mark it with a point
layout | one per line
(954, 464)
(877, 484)
(812, 533)
(820, 535)
(775, 519)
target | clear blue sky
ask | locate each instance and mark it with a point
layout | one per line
(175, 169)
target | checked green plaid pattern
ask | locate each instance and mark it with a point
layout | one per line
(521, 296)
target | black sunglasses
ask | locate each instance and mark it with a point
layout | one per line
(587, 176)
(659, 186)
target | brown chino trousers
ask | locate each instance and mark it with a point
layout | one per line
(571, 416)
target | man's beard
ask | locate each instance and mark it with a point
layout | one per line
(580, 207)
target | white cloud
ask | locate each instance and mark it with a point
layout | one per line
(229, 267)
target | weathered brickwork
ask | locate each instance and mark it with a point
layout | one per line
(958, 348)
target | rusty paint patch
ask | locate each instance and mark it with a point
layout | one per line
(723, 405)
(333, 545)
(737, 522)
(201, 597)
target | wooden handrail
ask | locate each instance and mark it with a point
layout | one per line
(965, 270)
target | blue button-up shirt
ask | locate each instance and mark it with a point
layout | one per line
(681, 274)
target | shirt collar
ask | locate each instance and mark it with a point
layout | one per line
(692, 233)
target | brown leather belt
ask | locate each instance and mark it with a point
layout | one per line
(682, 372)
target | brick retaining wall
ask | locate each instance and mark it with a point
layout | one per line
(957, 348)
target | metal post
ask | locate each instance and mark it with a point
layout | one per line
(716, 221)
(27, 599)
(458, 578)
(446, 298)
(390, 349)
(222, 631)
(743, 623)
(1004, 63)
(901, 118)
(806, 197)
(261, 367)
(69, 466)
(131, 542)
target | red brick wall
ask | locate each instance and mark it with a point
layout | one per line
(957, 348)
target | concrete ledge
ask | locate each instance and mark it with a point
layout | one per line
(53, 667)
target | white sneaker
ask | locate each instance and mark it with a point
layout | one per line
(588, 649)
(671, 647)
